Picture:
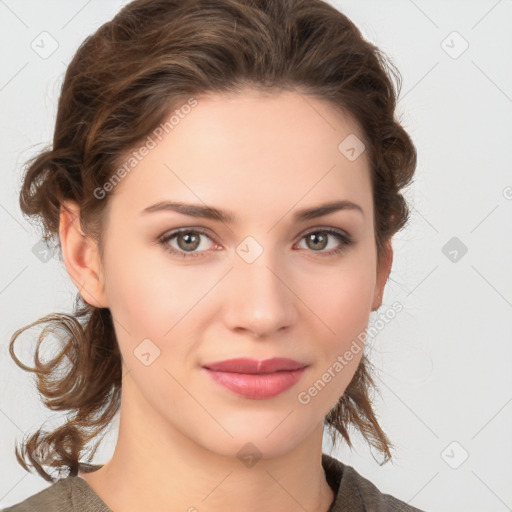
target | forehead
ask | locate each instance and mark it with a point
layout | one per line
(250, 150)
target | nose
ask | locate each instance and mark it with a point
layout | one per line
(260, 300)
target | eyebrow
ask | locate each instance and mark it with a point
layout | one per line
(210, 212)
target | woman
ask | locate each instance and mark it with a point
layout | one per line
(251, 131)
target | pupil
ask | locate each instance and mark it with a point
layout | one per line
(314, 237)
(188, 238)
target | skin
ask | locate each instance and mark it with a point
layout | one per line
(262, 157)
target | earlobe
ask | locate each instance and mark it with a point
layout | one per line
(383, 272)
(80, 255)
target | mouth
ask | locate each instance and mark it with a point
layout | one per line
(256, 379)
(254, 367)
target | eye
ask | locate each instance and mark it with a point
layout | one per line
(189, 240)
(318, 239)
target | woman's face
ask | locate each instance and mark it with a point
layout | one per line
(255, 286)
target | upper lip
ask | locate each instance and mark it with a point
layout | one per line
(246, 365)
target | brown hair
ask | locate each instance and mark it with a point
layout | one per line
(121, 84)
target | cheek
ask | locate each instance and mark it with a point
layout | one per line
(149, 297)
(345, 311)
(344, 307)
(344, 298)
(348, 306)
(152, 298)
(140, 297)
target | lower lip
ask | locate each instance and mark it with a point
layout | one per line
(257, 386)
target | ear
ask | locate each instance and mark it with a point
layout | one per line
(81, 256)
(383, 270)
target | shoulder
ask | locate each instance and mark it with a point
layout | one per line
(66, 495)
(372, 498)
(54, 498)
(355, 492)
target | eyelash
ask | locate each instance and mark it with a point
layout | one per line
(345, 239)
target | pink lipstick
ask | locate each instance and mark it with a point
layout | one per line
(256, 379)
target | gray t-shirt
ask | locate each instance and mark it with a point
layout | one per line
(353, 493)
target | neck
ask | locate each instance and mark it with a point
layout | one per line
(155, 465)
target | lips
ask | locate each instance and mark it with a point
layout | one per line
(252, 366)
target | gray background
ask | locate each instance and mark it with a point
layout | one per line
(445, 360)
